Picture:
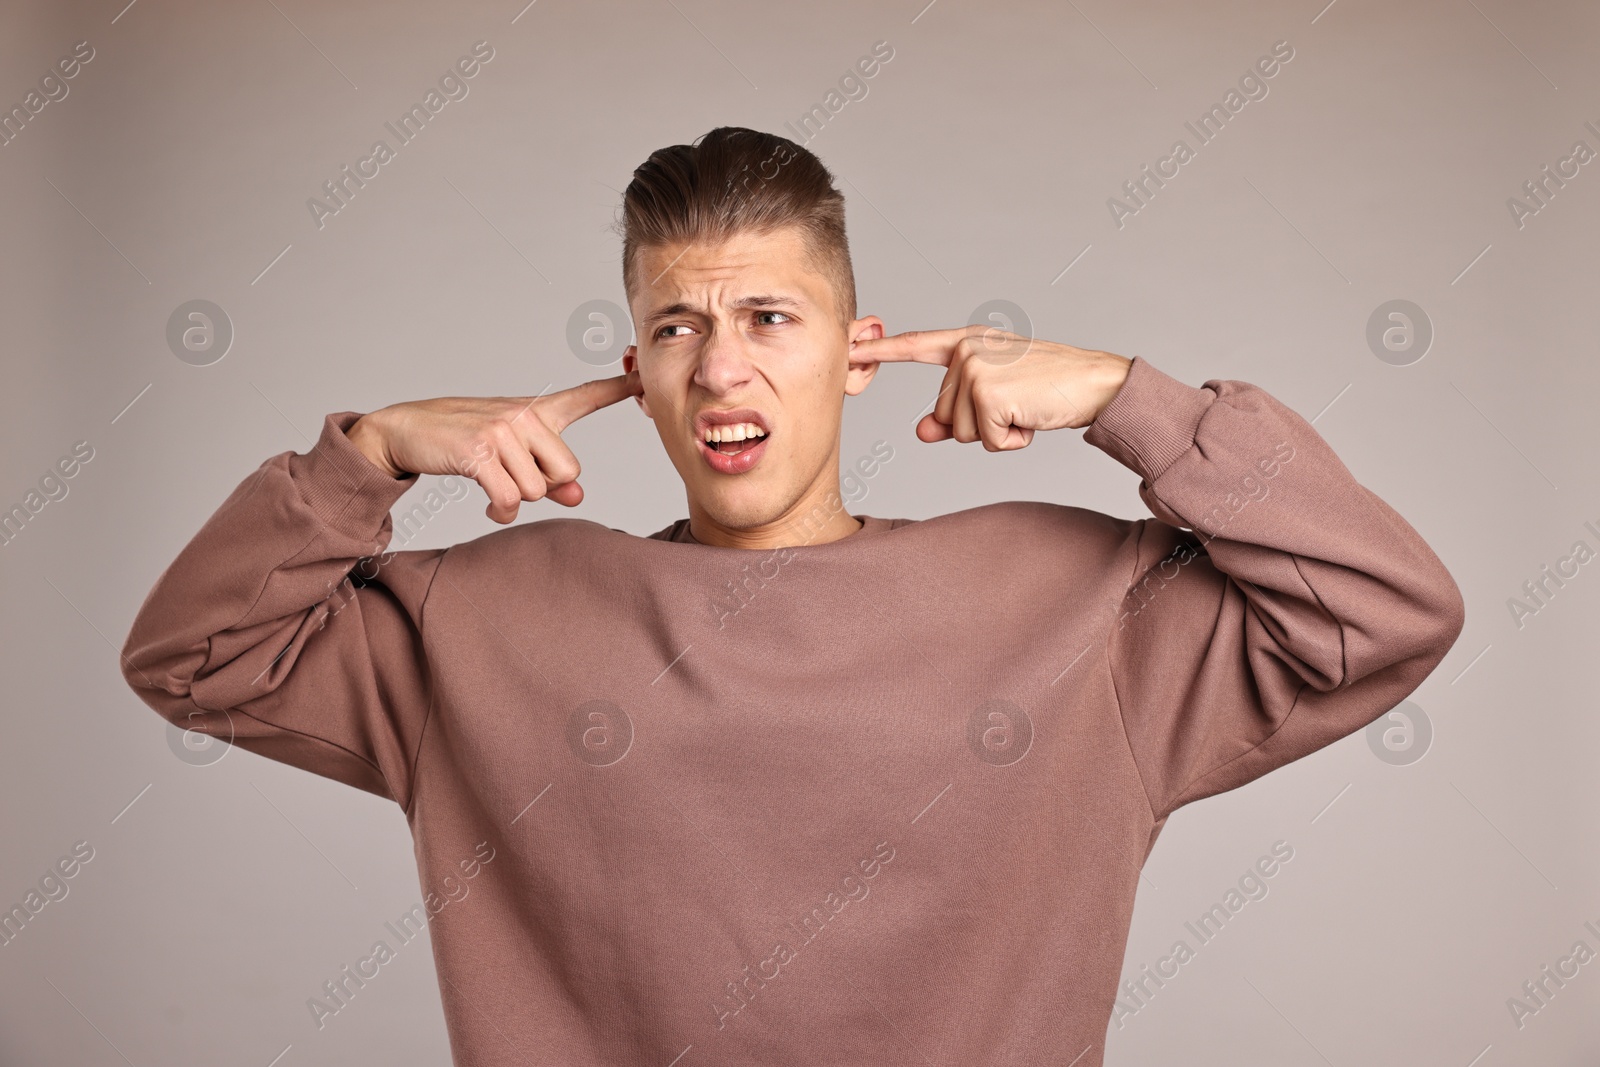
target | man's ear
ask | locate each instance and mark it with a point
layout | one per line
(860, 375)
(630, 363)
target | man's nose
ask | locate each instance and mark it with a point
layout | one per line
(724, 359)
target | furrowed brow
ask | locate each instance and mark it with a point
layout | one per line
(768, 302)
(667, 312)
(763, 301)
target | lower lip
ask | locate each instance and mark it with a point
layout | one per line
(729, 463)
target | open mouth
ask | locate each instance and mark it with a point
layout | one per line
(734, 440)
(733, 448)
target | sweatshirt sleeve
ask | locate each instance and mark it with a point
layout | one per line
(1275, 604)
(284, 628)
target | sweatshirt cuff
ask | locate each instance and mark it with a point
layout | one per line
(1150, 422)
(340, 484)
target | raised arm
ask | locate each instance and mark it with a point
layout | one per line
(284, 625)
(256, 633)
(1274, 603)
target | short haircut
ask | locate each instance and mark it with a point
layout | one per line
(735, 180)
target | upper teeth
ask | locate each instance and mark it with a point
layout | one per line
(736, 431)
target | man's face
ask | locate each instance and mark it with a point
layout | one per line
(747, 329)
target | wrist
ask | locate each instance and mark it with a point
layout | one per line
(368, 438)
(1115, 371)
(1151, 421)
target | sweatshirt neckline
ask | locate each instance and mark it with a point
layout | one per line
(871, 525)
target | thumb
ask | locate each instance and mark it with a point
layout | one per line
(931, 429)
(567, 493)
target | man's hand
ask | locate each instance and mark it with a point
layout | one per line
(509, 445)
(1000, 387)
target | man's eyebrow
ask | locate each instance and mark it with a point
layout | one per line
(761, 301)
(666, 312)
(769, 301)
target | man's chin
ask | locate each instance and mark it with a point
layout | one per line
(746, 506)
(746, 515)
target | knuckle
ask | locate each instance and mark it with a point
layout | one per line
(565, 469)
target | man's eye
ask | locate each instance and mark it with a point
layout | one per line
(663, 331)
(780, 314)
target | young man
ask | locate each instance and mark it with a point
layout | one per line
(779, 784)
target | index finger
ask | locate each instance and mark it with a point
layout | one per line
(913, 346)
(569, 405)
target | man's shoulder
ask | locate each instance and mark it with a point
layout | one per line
(1020, 535)
(1028, 548)
(1022, 518)
(563, 535)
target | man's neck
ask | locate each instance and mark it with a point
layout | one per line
(814, 520)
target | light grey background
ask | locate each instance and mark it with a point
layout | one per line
(978, 166)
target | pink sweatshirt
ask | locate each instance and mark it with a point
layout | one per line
(880, 800)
